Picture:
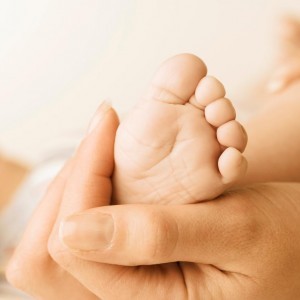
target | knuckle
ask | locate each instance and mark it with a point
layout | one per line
(160, 235)
(243, 225)
(15, 275)
(26, 270)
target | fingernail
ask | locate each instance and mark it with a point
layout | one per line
(275, 85)
(103, 108)
(87, 231)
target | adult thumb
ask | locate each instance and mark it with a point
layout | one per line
(152, 234)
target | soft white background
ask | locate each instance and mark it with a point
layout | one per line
(60, 58)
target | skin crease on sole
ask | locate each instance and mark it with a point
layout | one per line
(181, 141)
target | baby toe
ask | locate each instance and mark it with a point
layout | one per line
(220, 112)
(232, 134)
(208, 90)
(232, 165)
(176, 79)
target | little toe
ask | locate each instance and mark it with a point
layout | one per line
(232, 165)
(232, 134)
(176, 79)
(208, 90)
(220, 112)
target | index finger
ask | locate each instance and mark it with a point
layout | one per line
(89, 183)
(93, 166)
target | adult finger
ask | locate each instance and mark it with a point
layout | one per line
(89, 184)
(209, 233)
(31, 268)
(93, 166)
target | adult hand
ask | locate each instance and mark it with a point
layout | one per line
(32, 269)
(244, 245)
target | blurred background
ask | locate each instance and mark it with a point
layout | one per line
(59, 59)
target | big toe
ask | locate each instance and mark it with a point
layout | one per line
(176, 79)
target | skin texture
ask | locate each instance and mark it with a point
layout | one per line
(244, 245)
(181, 144)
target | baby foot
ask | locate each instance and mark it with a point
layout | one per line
(181, 144)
